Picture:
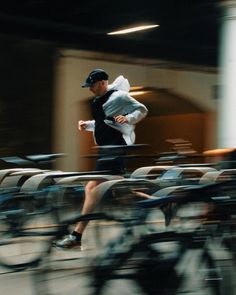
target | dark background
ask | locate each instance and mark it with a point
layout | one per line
(31, 32)
(26, 96)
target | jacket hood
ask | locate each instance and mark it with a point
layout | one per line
(120, 83)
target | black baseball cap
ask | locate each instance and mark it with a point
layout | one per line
(94, 76)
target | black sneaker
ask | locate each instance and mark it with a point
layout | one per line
(69, 242)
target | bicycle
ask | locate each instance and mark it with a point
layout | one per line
(158, 269)
(146, 259)
(27, 223)
(30, 216)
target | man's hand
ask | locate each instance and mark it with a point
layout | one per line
(121, 119)
(82, 125)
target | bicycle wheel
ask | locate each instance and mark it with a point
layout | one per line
(26, 230)
(159, 264)
(133, 269)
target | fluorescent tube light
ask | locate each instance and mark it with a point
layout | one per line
(134, 29)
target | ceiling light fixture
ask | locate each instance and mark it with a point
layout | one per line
(134, 29)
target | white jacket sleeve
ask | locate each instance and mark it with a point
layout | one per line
(137, 112)
(121, 103)
(136, 116)
(90, 125)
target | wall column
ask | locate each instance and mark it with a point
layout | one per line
(227, 63)
(68, 108)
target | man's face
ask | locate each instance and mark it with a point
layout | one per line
(97, 88)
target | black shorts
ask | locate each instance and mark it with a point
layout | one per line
(110, 165)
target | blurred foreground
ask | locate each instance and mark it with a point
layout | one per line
(164, 229)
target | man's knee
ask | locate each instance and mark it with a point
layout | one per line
(91, 186)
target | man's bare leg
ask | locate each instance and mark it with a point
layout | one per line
(90, 201)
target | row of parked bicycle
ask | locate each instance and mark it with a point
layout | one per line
(38, 206)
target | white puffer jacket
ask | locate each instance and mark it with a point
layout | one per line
(121, 103)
